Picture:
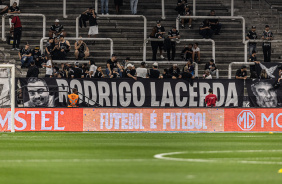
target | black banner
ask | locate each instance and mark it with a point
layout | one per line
(264, 93)
(52, 92)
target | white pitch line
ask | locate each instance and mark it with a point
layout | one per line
(74, 160)
(163, 156)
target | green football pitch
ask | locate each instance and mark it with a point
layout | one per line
(133, 158)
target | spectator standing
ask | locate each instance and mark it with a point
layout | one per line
(160, 35)
(14, 8)
(104, 7)
(214, 23)
(93, 25)
(118, 4)
(133, 6)
(186, 12)
(252, 35)
(33, 71)
(92, 69)
(17, 28)
(154, 73)
(25, 56)
(211, 99)
(99, 73)
(172, 34)
(205, 30)
(254, 69)
(49, 68)
(196, 53)
(49, 47)
(142, 71)
(81, 50)
(175, 71)
(4, 8)
(187, 52)
(211, 67)
(266, 46)
(65, 47)
(241, 73)
(57, 30)
(111, 64)
(154, 44)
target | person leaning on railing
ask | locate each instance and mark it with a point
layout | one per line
(73, 98)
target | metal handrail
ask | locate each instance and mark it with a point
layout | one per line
(237, 63)
(216, 17)
(91, 39)
(185, 40)
(23, 15)
(65, 9)
(255, 41)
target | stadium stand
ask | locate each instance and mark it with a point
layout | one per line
(127, 34)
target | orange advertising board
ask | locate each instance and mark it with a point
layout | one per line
(165, 119)
(44, 119)
(251, 119)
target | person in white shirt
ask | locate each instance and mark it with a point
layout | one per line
(49, 67)
(92, 69)
(196, 53)
(207, 75)
(142, 71)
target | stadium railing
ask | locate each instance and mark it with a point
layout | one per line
(86, 39)
(255, 41)
(236, 63)
(23, 15)
(180, 40)
(231, 10)
(216, 17)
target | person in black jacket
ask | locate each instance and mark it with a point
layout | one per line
(33, 71)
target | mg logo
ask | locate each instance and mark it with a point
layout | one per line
(246, 120)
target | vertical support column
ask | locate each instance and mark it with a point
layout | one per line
(13, 96)
(246, 51)
(213, 49)
(194, 7)
(96, 6)
(44, 26)
(3, 28)
(65, 9)
(145, 37)
(163, 10)
(77, 27)
(232, 8)
(112, 47)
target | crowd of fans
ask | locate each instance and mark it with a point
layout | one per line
(58, 48)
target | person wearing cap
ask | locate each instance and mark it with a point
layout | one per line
(130, 72)
(211, 99)
(57, 30)
(175, 71)
(81, 49)
(25, 56)
(174, 35)
(186, 12)
(111, 64)
(17, 29)
(267, 35)
(154, 73)
(241, 73)
(160, 35)
(142, 71)
(73, 99)
(211, 67)
(252, 35)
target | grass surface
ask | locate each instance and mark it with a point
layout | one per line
(129, 158)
